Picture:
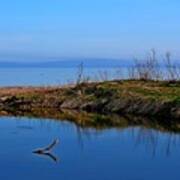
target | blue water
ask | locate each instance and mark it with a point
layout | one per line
(54, 76)
(127, 154)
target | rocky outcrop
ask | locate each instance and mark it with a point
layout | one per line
(94, 98)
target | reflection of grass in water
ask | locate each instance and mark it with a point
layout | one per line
(101, 120)
(97, 120)
(151, 140)
(106, 121)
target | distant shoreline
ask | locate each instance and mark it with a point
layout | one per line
(68, 63)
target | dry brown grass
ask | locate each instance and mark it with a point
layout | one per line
(12, 91)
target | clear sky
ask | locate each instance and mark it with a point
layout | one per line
(88, 28)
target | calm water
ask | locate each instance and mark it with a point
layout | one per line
(127, 154)
(54, 76)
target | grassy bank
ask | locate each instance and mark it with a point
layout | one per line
(151, 99)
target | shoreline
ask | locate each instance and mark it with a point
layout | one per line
(149, 99)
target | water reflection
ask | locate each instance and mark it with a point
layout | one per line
(98, 121)
(152, 141)
(154, 135)
(87, 152)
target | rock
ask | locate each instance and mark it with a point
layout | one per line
(3, 113)
(117, 105)
(175, 112)
(72, 103)
(95, 106)
(5, 98)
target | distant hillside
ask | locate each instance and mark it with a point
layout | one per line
(91, 63)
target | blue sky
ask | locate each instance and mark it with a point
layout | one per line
(40, 29)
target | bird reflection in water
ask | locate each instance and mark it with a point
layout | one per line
(49, 155)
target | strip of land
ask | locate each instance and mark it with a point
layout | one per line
(149, 99)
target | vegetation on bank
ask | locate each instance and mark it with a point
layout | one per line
(158, 99)
(145, 94)
(151, 68)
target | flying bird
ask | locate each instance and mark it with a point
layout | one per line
(48, 148)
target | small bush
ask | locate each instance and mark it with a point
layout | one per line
(153, 69)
